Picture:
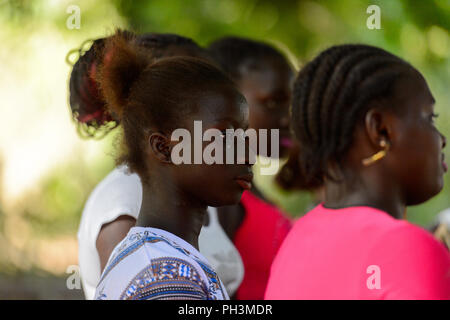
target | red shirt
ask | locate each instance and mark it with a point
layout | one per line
(258, 238)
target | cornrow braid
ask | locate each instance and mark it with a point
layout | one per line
(331, 93)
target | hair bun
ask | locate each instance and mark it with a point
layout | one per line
(123, 63)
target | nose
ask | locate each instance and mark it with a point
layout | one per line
(444, 141)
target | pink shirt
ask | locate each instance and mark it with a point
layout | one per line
(358, 253)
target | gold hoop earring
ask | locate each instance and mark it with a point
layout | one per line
(377, 156)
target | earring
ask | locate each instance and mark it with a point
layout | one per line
(377, 156)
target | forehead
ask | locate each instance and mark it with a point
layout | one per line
(266, 76)
(224, 102)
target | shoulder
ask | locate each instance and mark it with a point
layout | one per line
(141, 247)
(403, 236)
(148, 266)
(411, 262)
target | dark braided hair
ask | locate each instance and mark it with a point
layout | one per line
(231, 53)
(87, 105)
(331, 94)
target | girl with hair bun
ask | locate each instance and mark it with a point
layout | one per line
(113, 206)
(159, 258)
(364, 120)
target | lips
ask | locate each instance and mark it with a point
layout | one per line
(245, 181)
(444, 165)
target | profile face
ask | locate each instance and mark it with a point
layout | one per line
(416, 156)
(215, 184)
(268, 91)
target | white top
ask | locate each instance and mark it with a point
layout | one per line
(214, 244)
(120, 193)
(152, 264)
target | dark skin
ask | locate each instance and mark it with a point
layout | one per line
(177, 196)
(267, 88)
(416, 146)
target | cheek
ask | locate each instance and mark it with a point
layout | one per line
(213, 184)
(418, 163)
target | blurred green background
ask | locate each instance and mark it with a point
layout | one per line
(47, 171)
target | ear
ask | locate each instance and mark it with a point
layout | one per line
(378, 127)
(160, 147)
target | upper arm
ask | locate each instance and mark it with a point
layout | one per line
(110, 235)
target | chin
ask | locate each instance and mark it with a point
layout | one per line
(284, 152)
(438, 186)
(228, 199)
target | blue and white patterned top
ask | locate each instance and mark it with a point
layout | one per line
(150, 264)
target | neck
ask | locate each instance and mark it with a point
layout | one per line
(368, 189)
(166, 207)
(257, 192)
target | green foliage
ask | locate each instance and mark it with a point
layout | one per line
(55, 207)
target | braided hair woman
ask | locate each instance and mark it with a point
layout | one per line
(364, 120)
